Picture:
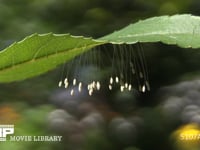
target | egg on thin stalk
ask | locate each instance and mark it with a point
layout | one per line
(128, 70)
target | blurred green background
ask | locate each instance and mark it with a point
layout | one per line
(107, 120)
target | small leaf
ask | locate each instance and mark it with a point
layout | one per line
(38, 54)
(182, 30)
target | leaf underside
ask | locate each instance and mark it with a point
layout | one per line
(40, 53)
(182, 30)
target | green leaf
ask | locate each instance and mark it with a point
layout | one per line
(182, 30)
(38, 54)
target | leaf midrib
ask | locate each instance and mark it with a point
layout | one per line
(154, 34)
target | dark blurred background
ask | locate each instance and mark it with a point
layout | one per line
(108, 120)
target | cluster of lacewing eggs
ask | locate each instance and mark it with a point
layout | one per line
(95, 85)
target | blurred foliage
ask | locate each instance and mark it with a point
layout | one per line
(29, 104)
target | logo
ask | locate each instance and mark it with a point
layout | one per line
(6, 130)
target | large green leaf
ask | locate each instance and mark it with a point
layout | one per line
(37, 54)
(182, 30)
